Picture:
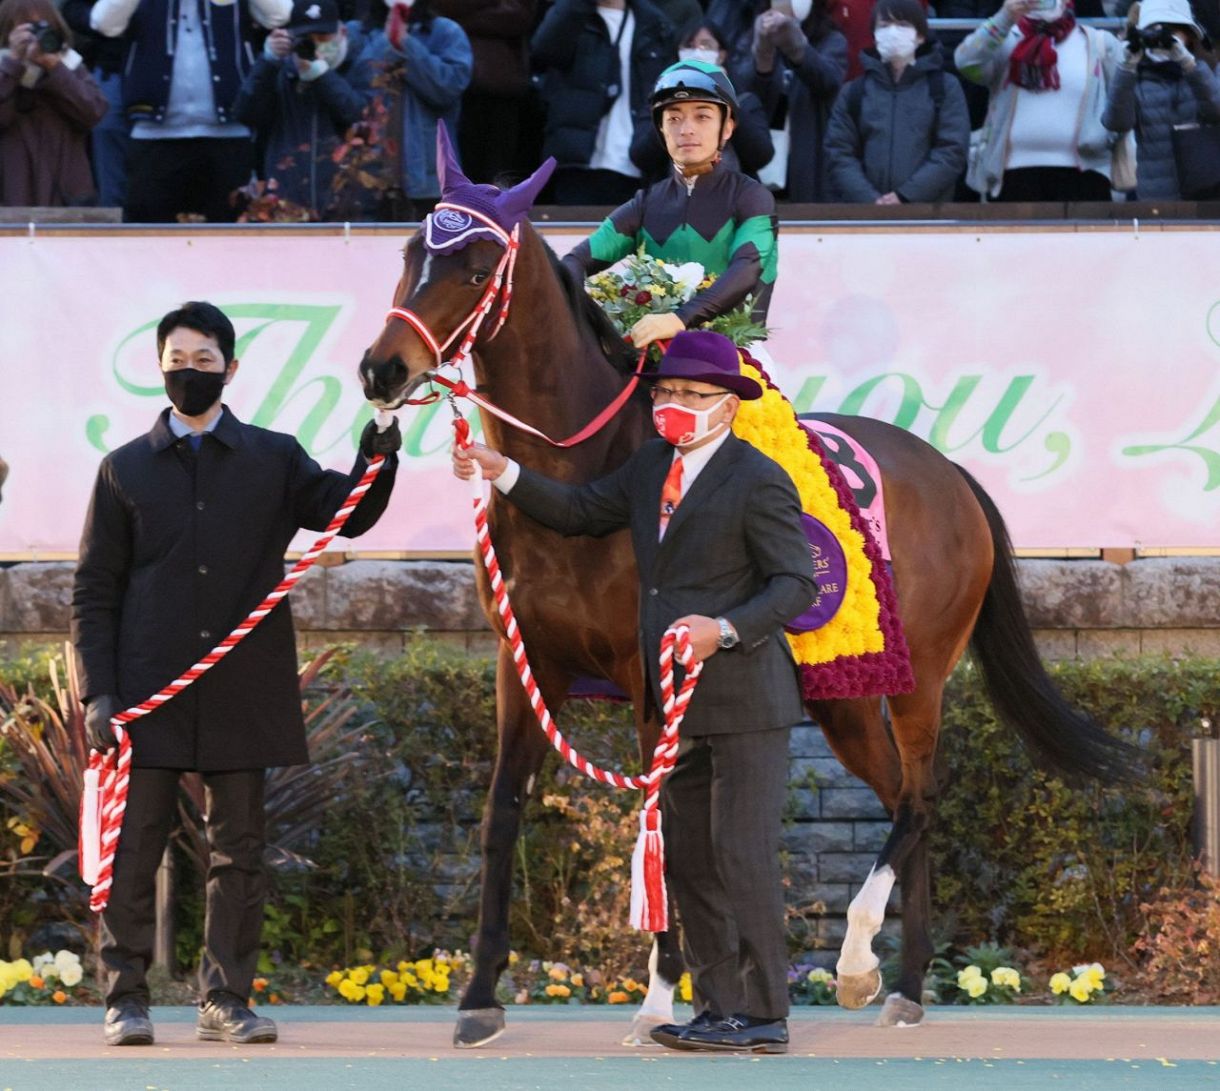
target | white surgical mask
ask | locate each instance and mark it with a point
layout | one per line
(334, 52)
(801, 9)
(1047, 14)
(895, 42)
(707, 56)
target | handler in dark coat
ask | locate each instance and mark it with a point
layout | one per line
(185, 534)
(716, 528)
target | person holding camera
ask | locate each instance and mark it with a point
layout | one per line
(186, 60)
(48, 104)
(1048, 77)
(422, 64)
(1163, 81)
(800, 60)
(309, 87)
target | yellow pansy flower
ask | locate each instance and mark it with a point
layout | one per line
(975, 987)
(970, 973)
(1060, 983)
(388, 977)
(360, 975)
(374, 995)
(1080, 990)
(398, 992)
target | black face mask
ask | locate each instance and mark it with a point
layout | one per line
(193, 391)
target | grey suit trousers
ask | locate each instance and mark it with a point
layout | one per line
(722, 809)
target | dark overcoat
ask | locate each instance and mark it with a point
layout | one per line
(177, 549)
(734, 548)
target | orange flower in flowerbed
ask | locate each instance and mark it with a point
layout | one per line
(59, 996)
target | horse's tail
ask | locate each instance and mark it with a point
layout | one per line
(1058, 736)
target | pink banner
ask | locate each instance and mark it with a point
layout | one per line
(1073, 372)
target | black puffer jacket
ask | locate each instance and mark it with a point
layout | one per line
(576, 60)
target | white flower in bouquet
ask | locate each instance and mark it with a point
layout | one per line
(688, 276)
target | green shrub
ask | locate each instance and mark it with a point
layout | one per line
(1022, 858)
(1053, 871)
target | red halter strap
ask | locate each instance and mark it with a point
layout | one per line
(501, 281)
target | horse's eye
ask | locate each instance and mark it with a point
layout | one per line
(479, 278)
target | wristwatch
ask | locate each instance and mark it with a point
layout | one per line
(728, 635)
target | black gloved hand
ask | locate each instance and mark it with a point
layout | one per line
(98, 714)
(373, 442)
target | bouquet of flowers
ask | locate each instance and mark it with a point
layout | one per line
(641, 284)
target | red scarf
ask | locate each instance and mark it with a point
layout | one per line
(1034, 63)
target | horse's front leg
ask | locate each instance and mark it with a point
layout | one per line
(521, 750)
(665, 968)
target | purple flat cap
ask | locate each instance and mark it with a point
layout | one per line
(706, 357)
(449, 229)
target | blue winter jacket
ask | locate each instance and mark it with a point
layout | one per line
(300, 123)
(438, 66)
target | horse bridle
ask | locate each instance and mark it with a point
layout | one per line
(500, 285)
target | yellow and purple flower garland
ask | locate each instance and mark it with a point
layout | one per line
(861, 651)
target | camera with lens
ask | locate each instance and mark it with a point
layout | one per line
(305, 47)
(48, 38)
(1156, 36)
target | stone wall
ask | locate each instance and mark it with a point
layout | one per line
(1080, 609)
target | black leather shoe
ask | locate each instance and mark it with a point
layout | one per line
(738, 1034)
(127, 1023)
(224, 1018)
(668, 1034)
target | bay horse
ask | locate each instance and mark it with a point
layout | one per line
(555, 363)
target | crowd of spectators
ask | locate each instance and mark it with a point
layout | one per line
(328, 109)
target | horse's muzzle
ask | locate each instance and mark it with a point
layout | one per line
(386, 383)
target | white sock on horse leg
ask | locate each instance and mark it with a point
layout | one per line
(660, 998)
(865, 916)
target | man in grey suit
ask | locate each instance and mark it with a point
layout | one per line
(716, 528)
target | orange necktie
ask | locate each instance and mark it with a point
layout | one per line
(671, 493)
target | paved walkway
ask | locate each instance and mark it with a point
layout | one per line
(548, 1047)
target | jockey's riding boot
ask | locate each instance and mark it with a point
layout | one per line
(127, 1023)
(223, 1017)
(668, 1034)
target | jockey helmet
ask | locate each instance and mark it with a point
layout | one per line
(693, 81)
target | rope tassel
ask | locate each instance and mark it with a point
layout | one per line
(649, 900)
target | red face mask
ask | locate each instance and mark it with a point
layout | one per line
(681, 426)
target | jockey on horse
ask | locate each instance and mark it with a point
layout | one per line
(703, 212)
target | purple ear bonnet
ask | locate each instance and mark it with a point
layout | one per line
(449, 229)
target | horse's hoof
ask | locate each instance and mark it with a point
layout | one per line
(639, 1035)
(858, 990)
(477, 1027)
(898, 1011)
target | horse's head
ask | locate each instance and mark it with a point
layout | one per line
(456, 277)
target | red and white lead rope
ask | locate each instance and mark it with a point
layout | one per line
(104, 799)
(649, 910)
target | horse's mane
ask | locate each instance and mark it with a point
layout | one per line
(590, 318)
